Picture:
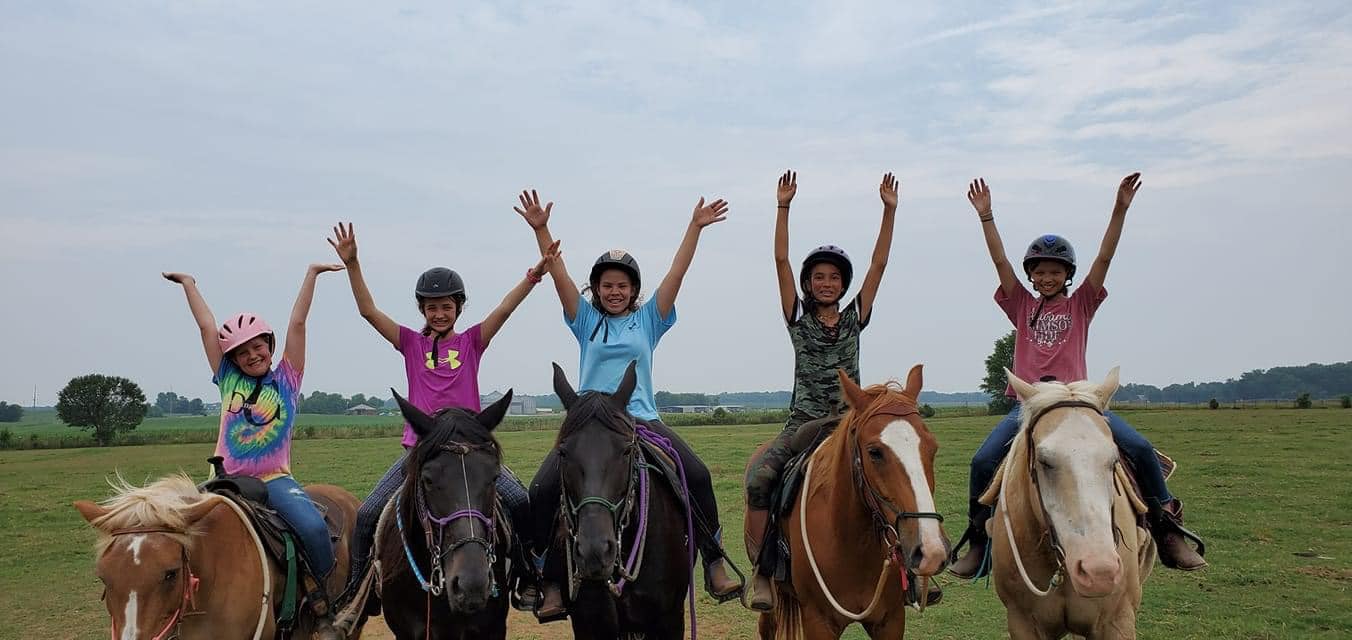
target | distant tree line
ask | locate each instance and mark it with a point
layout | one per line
(1316, 380)
(10, 412)
(334, 403)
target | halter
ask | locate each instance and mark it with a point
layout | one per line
(1058, 574)
(436, 582)
(636, 486)
(190, 584)
(887, 529)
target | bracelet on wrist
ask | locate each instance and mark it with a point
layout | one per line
(533, 277)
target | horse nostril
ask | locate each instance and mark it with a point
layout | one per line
(455, 585)
(917, 557)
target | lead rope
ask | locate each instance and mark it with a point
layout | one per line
(1014, 546)
(812, 559)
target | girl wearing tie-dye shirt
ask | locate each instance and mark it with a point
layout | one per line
(258, 412)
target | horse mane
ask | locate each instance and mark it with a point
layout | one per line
(160, 504)
(883, 393)
(595, 405)
(1050, 393)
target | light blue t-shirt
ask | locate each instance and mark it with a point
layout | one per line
(609, 343)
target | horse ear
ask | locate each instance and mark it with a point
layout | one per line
(1023, 389)
(492, 416)
(422, 423)
(90, 511)
(1108, 388)
(562, 389)
(627, 383)
(915, 381)
(854, 396)
(199, 510)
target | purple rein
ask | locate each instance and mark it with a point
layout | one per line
(661, 442)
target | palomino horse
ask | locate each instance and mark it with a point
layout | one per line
(176, 562)
(870, 490)
(442, 548)
(626, 530)
(1065, 511)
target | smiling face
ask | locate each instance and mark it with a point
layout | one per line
(826, 283)
(615, 290)
(440, 313)
(1049, 277)
(254, 357)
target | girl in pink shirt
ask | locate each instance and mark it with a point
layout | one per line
(443, 371)
(1051, 332)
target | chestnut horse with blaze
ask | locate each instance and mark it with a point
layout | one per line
(869, 490)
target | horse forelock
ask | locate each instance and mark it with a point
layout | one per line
(452, 425)
(1050, 393)
(161, 504)
(594, 407)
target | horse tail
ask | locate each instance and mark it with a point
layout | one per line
(788, 615)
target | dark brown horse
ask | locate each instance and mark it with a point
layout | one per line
(869, 490)
(625, 526)
(442, 547)
(176, 562)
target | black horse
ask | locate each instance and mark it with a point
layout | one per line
(444, 547)
(622, 583)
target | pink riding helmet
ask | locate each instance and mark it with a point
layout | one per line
(242, 328)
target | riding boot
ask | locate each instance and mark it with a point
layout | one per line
(551, 602)
(1166, 526)
(720, 586)
(762, 588)
(320, 608)
(976, 562)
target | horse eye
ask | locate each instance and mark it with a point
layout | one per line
(170, 575)
(1046, 465)
(876, 454)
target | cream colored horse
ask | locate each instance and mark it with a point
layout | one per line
(1068, 557)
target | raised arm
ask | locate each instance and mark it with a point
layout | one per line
(538, 219)
(295, 328)
(1126, 191)
(980, 197)
(788, 289)
(498, 317)
(344, 241)
(704, 215)
(206, 322)
(868, 291)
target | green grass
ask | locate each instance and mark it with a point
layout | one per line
(1260, 486)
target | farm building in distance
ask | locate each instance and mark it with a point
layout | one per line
(522, 405)
(361, 410)
(701, 408)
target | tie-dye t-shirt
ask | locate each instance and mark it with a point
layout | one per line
(255, 437)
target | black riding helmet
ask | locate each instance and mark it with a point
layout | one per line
(1048, 247)
(613, 259)
(439, 282)
(831, 254)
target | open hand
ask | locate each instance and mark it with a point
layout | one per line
(547, 260)
(788, 187)
(980, 196)
(1127, 190)
(888, 190)
(530, 209)
(344, 241)
(706, 215)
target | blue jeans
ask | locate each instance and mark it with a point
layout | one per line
(1138, 450)
(290, 501)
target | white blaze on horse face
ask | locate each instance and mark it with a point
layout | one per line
(1078, 491)
(129, 629)
(134, 546)
(900, 436)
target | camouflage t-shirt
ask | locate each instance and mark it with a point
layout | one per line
(817, 352)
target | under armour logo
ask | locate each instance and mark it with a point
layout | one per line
(451, 360)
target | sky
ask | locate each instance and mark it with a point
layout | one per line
(225, 140)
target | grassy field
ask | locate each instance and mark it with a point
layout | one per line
(1261, 486)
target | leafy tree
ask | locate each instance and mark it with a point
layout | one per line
(1303, 401)
(107, 404)
(10, 412)
(196, 407)
(927, 411)
(154, 411)
(1347, 402)
(995, 383)
(168, 402)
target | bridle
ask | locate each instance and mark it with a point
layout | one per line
(879, 508)
(434, 526)
(1058, 574)
(620, 511)
(190, 585)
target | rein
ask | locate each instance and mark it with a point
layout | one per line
(1058, 574)
(886, 528)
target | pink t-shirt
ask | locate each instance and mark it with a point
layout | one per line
(1055, 345)
(448, 378)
